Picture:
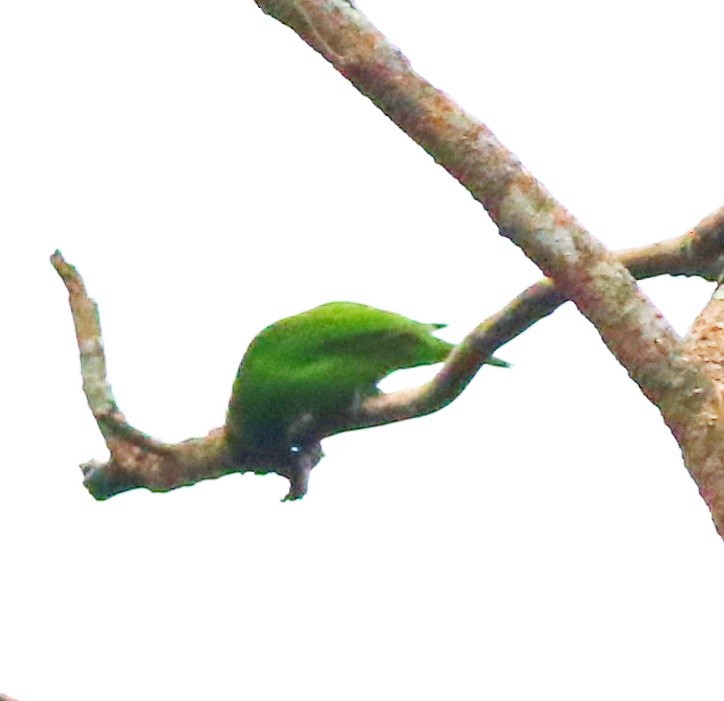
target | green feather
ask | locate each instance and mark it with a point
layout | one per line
(303, 371)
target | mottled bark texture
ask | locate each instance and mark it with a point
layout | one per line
(675, 374)
(701, 433)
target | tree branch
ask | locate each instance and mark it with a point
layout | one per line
(702, 437)
(138, 460)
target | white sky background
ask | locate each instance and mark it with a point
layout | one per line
(209, 174)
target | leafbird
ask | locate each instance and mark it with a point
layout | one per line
(303, 371)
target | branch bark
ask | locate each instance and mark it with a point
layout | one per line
(702, 437)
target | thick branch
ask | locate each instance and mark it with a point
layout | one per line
(580, 267)
(702, 438)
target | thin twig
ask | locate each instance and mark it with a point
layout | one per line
(137, 460)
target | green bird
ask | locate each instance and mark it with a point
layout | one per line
(301, 372)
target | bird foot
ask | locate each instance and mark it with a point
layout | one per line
(302, 461)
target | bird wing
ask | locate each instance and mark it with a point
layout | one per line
(380, 345)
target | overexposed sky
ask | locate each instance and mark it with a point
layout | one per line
(208, 174)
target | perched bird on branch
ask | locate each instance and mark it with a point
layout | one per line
(301, 372)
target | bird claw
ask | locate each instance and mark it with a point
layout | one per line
(302, 462)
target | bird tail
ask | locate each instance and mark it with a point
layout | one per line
(441, 349)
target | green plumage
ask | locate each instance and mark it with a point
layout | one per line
(302, 371)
